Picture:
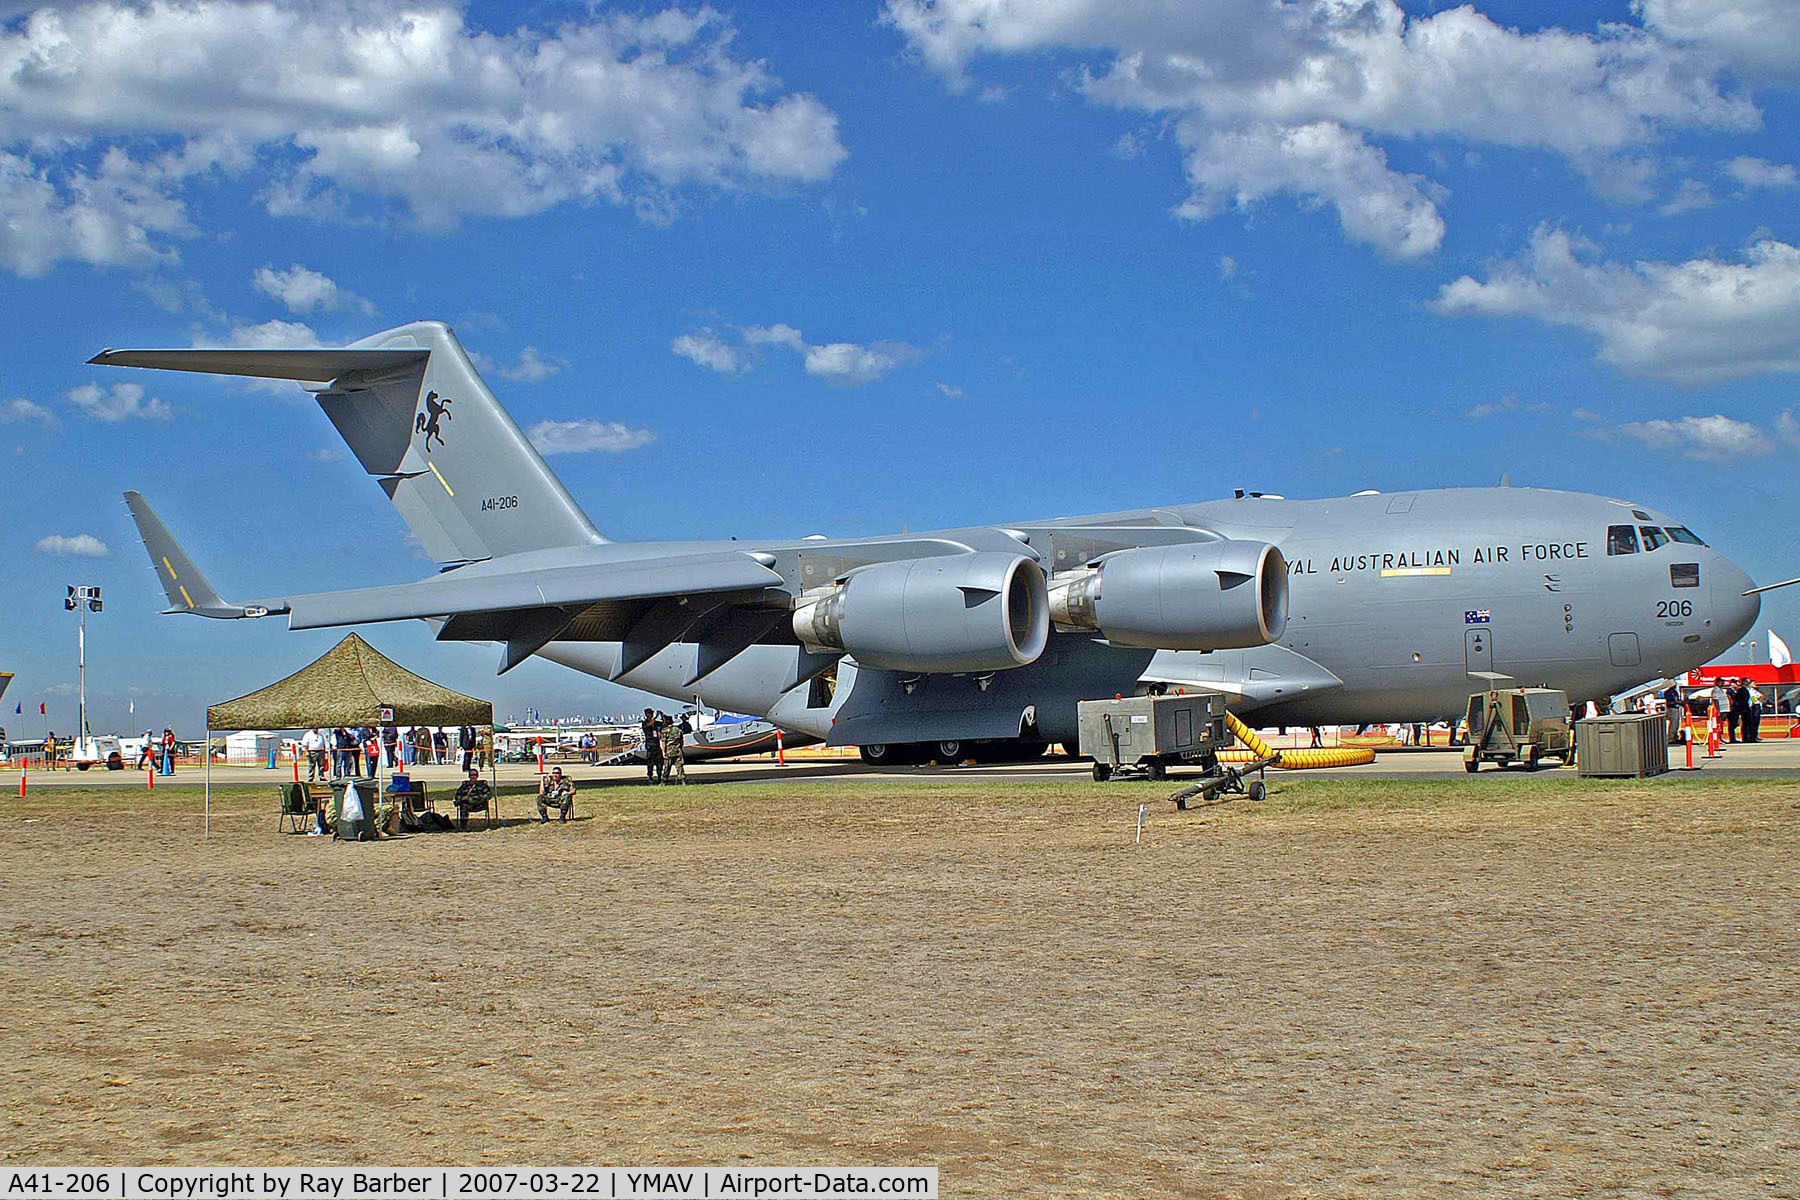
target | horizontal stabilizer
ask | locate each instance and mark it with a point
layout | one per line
(311, 366)
(187, 589)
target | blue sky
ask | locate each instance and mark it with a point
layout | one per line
(850, 268)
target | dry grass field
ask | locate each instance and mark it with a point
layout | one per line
(1501, 987)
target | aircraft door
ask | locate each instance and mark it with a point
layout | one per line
(1478, 649)
(1622, 648)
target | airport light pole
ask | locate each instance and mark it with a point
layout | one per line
(83, 600)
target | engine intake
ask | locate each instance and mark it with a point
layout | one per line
(982, 611)
(1221, 595)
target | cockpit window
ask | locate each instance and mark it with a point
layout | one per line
(1654, 538)
(1621, 539)
(1683, 534)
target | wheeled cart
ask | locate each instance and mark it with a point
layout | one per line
(1147, 734)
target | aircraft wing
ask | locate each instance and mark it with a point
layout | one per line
(645, 603)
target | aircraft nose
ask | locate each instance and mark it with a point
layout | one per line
(1733, 612)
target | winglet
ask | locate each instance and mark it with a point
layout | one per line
(186, 587)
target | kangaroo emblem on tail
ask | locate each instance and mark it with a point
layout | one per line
(440, 412)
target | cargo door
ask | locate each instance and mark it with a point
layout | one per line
(1478, 649)
(1622, 648)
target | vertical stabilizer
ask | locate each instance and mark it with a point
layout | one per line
(461, 472)
(420, 420)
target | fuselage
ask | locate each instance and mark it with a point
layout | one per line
(1400, 605)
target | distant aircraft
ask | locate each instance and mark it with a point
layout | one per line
(1370, 607)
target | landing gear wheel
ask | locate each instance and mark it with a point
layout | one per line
(951, 752)
(83, 766)
(1157, 769)
(1258, 791)
(880, 754)
(1471, 765)
(1102, 772)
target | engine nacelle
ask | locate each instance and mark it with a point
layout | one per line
(1221, 595)
(950, 613)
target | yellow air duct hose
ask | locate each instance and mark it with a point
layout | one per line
(1291, 760)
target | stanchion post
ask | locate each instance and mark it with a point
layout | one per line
(780, 750)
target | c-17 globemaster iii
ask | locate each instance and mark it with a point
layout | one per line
(1370, 607)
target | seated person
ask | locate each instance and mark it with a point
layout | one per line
(473, 796)
(557, 791)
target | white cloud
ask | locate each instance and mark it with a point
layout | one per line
(847, 363)
(950, 391)
(1275, 98)
(1716, 438)
(1506, 404)
(1758, 36)
(304, 290)
(20, 409)
(584, 437)
(120, 402)
(1690, 196)
(705, 348)
(1228, 269)
(273, 335)
(850, 364)
(359, 109)
(324, 454)
(774, 335)
(81, 545)
(1761, 173)
(1238, 167)
(1692, 322)
(1787, 428)
(532, 367)
(108, 216)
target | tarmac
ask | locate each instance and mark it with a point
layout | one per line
(1762, 759)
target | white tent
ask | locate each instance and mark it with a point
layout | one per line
(251, 746)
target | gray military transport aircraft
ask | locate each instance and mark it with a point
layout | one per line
(1370, 607)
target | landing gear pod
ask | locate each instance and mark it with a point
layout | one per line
(1200, 596)
(950, 613)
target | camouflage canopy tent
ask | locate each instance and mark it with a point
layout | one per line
(351, 685)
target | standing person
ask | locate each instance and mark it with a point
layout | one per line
(440, 746)
(49, 749)
(168, 747)
(674, 767)
(676, 755)
(390, 743)
(652, 746)
(1740, 701)
(309, 746)
(1753, 711)
(148, 753)
(465, 742)
(484, 746)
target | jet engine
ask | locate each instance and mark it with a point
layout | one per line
(1220, 595)
(982, 611)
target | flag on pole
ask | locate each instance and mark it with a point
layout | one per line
(42, 711)
(130, 706)
(1779, 654)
